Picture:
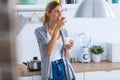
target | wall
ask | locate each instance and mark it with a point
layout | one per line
(101, 30)
(27, 46)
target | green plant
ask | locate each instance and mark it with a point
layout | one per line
(96, 49)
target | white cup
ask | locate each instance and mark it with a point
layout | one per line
(66, 40)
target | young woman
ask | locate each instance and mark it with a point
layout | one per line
(54, 54)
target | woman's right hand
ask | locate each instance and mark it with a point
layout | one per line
(61, 22)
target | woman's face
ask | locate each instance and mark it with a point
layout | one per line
(55, 14)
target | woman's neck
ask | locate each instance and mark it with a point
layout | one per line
(52, 29)
(51, 26)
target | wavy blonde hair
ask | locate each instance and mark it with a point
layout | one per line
(50, 7)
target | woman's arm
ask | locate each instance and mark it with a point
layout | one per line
(51, 44)
(67, 53)
(55, 35)
(68, 47)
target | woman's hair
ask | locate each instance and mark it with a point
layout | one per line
(50, 7)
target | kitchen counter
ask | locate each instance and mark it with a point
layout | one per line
(78, 67)
(92, 66)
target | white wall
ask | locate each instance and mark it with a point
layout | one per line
(101, 30)
(27, 46)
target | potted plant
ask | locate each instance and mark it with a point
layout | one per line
(96, 51)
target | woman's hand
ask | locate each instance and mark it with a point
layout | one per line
(70, 45)
(61, 22)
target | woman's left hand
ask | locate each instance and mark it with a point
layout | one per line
(68, 46)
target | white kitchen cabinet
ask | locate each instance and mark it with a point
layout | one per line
(103, 75)
(98, 75)
(37, 77)
(115, 75)
(79, 76)
(25, 78)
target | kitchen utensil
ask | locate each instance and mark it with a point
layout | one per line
(34, 65)
(85, 40)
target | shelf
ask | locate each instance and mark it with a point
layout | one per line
(30, 7)
(41, 7)
(113, 6)
(66, 7)
(70, 6)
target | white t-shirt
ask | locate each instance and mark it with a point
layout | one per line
(56, 54)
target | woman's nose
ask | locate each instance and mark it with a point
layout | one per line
(60, 14)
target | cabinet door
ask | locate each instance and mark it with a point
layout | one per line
(115, 75)
(25, 78)
(79, 76)
(103, 75)
(37, 77)
(98, 75)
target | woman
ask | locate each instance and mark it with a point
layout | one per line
(54, 55)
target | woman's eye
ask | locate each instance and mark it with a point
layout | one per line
(56, 11)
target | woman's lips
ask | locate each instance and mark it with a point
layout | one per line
(58, 18)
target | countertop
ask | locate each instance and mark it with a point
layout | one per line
(78, 67)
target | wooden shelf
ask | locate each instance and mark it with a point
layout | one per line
(42, 7)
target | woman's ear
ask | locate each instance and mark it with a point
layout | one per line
(48, 13)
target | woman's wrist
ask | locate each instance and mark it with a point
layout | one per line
(67, 53)
(57, 30)
(56, 33)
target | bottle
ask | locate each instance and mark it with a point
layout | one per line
(34, 63)
(115, 1)
(69, 2)
(63, 1)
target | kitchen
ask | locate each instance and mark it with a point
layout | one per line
(97, 34)
(102, 31)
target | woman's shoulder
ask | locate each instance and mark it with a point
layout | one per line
(39, 28)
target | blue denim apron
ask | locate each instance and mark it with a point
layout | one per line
(58, 70)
